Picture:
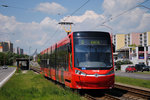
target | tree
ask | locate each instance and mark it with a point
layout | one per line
(123, 62)
(8, 58)
(1, 58)
(133, 46)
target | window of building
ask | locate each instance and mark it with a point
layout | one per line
(141, 48)
(141, 56)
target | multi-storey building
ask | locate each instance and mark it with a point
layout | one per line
(145, 39)
(132, 38)
(148, 56)
(119, 41)
(19, 50)
(6, 46)
(1, 49)
(10, 46)
(139, 54)
(139, 39)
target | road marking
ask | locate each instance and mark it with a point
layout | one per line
(7, 78)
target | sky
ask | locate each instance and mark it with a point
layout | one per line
(34, 23)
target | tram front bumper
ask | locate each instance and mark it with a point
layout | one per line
(91, 82)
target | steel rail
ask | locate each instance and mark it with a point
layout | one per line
(131, 91)
(36, 69)
(143, 93)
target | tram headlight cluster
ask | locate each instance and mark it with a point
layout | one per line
(110, 72)
(80, 73)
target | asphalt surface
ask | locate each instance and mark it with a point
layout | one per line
(4, 73)
(133, 75)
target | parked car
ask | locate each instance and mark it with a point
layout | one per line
(130, 69)
(5, 66)
(141, 67)
(148, 67)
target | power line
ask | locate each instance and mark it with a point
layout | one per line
(68, 17)
(111, 18)
(77, 10)
(64, 19)
(52, 36)
(144, 7)
(80, 7)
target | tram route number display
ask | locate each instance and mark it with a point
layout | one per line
(92, 42)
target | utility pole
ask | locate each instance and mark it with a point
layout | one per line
(29, 56)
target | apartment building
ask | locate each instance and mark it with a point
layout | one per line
(145, 39)
(139, 54)
(119, 41)
(124, 40)
(132, 38)
(6, 46)
(19, 51)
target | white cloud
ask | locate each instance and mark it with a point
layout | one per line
(87, 15)
(7, 24)
(132, 21)
(51, 8)
(135, 20)
(113, 7)
(29, 34)
(87, 21)
(43, 34)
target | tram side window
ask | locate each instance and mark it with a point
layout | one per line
(62, 57)
(47, 60)
(52, 59)
(42, 60)
(66, 55)
(40, 57)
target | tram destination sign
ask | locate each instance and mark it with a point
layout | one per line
(91, 42)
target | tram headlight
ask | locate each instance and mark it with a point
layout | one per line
(110, 72)
(80, 73)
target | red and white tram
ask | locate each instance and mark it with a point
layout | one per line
(82, 60)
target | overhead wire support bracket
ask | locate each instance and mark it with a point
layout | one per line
(66, 23)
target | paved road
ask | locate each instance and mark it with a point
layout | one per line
(133, 75)
(5, 74)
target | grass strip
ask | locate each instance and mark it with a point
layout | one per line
(31, 86)
(145, 72)
(12, 66)
(133, 81)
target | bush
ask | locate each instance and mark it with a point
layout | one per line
(123, 62)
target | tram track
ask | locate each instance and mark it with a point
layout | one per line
(119, 92)
(35, 69)
(137, 92)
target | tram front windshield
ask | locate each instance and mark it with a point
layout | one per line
(93, 52)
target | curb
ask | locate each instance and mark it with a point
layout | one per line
(7, 78)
